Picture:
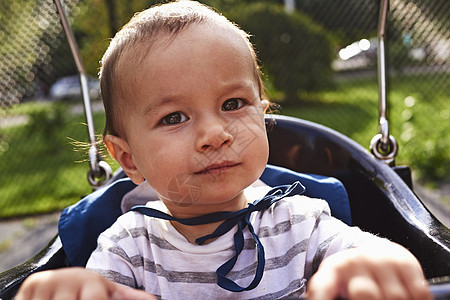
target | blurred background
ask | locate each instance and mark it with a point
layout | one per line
(319, 63)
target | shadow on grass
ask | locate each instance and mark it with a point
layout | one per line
(40, 175)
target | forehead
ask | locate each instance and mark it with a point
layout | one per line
(215, 49)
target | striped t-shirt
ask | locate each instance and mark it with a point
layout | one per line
(297, 234)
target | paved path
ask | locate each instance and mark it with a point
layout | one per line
(21, 239)
(437, 201)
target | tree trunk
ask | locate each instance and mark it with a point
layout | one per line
(112, 13)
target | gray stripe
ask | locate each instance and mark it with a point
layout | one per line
(281, 261)
(249, 244)
(311, 268)
(120, 235)
(320, 253)
(177, 276)
(116, 251)
(116, 277)
(142, 232)
(282, 227)
(210, 277)
(135, 261)
(294, 290)
(273, 263)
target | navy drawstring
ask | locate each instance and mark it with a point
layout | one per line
(241, 218)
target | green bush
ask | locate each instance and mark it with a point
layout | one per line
(296, 53)
(47, 122)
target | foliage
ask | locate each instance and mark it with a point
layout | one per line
(280, 39)
(94, 29)
(423, 123)
(46, 123)
(350, 20)
(420, 127)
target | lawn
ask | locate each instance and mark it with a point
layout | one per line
(42, 170)
(419, 118)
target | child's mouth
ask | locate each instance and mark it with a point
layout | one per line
(215, 169)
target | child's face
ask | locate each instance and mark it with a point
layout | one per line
(194, 126)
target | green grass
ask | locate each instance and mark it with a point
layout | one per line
(42, 172)
(419, 118)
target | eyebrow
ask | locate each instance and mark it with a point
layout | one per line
(240, 85)
(155, 105)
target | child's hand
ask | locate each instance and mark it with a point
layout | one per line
(388, 273)
(76, 284)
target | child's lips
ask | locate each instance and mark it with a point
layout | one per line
(217, 168)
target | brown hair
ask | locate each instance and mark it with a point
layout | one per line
(138, 36)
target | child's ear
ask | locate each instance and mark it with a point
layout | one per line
(119, 149)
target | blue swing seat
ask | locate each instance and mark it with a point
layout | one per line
(81, 223)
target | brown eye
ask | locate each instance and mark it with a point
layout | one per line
(232, 104)
(174, 118)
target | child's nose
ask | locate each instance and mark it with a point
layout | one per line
(214, 137)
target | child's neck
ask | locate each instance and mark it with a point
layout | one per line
(191, 233)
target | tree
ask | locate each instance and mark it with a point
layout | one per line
(295, 52)
(349, 20)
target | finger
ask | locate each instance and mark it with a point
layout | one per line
(391, 283)
(121, 292)
(363, 286)
(409, 273)
(26, 291)
(414, 281)
(95, 290)
(348, 275)
(324, 285)
(33, 289)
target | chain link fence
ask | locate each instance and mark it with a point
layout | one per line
(41, 116)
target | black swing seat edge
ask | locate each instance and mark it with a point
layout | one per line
(49, 258)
